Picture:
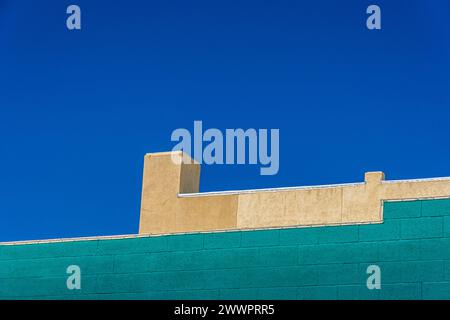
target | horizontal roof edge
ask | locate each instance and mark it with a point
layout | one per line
(132, 236)
(235, 192)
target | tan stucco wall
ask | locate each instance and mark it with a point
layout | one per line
(162, 211)
(171, 202)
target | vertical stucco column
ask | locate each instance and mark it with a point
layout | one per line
(163, 210)
(165, 176)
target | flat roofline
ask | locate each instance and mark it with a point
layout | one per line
(324, 186)
(132, 236)
(236, 192)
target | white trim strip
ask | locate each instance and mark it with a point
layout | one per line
(131, 236)
(237, 192)
(234, 192)
(417, 180)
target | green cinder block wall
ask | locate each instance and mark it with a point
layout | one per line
(411, 247)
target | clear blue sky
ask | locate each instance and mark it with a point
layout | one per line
(79, 109)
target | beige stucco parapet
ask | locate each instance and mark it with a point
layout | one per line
(171, 201)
